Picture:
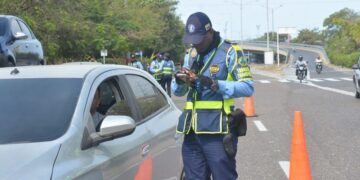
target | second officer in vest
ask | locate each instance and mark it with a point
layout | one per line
(155, 68)
(212, 83)
(167, 67)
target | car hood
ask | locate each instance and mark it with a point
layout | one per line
(28, 160)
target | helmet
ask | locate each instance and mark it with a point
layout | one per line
(300, 58)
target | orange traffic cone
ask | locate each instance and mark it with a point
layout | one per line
(249, 106)
(299, 161)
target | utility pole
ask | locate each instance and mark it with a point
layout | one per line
(273, 30)
(241, 22)
(267, 33)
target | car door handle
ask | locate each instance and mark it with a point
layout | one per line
(145, 150)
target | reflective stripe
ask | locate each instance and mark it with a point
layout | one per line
(208, 104)
(189, 105)
(244, 73)
(227, 104)
(167, 70)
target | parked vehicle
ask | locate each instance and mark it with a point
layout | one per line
(48, 131)
(356, 78)
(301, 73)
(18, 44)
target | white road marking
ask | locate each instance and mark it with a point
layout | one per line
(284, 80)
(316, 80)
(331, 79)
(260, 126)
(285, 166)
(347, 79)
(264, 81)
(332, 89)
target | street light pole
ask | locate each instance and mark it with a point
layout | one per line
(273, 19)
(267, 26)
(241, 22)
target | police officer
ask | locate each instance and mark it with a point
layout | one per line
(135, 62)
(155, 68)
(167, 67)
(212, 82)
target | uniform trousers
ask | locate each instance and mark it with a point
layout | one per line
(204, 156)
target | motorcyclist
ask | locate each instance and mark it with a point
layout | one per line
(318, 60)
(300, 62)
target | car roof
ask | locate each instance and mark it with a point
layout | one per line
(8, 16)
(72, 70)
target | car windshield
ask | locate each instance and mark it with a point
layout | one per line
(36, 110)
(2, 26)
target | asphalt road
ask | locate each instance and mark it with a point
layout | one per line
(331, 121)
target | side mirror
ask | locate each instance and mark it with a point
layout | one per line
(116, 126)
(20, 35)
(355, 66)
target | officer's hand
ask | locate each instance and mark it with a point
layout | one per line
(191, 75)
(209, 83)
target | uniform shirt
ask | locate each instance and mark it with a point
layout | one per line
(155, 64)
(229, 89)
(136, 64)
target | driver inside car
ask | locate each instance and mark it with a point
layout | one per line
(96, 116)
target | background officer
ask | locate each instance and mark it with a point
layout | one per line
(135, 62)
(155, 68)
(212, 82)
(167, 67)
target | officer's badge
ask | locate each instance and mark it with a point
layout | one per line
(193, 53)
(191, 28)
(214, 68)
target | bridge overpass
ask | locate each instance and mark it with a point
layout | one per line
(254, 50)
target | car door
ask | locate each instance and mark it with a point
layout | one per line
(19, 47)
(160, 118)
(124, 154)
(33, 46)
(118, 158)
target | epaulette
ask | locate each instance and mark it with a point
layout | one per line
(226, 45)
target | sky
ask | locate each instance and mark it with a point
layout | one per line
(225, 15)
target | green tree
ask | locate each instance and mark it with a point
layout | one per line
(342, 35)
(307, 36)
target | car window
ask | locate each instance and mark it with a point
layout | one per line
(15, 27)
(42, 110)
(25, 29)
(148, 97)
(112, 102)
(3, 25)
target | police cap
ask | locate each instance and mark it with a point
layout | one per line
(197, 25)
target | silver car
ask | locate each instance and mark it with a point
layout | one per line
(48, 128)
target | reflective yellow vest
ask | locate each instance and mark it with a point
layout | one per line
(206, 113)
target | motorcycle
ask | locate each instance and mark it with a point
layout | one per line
(301, 73)
(318, 68)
